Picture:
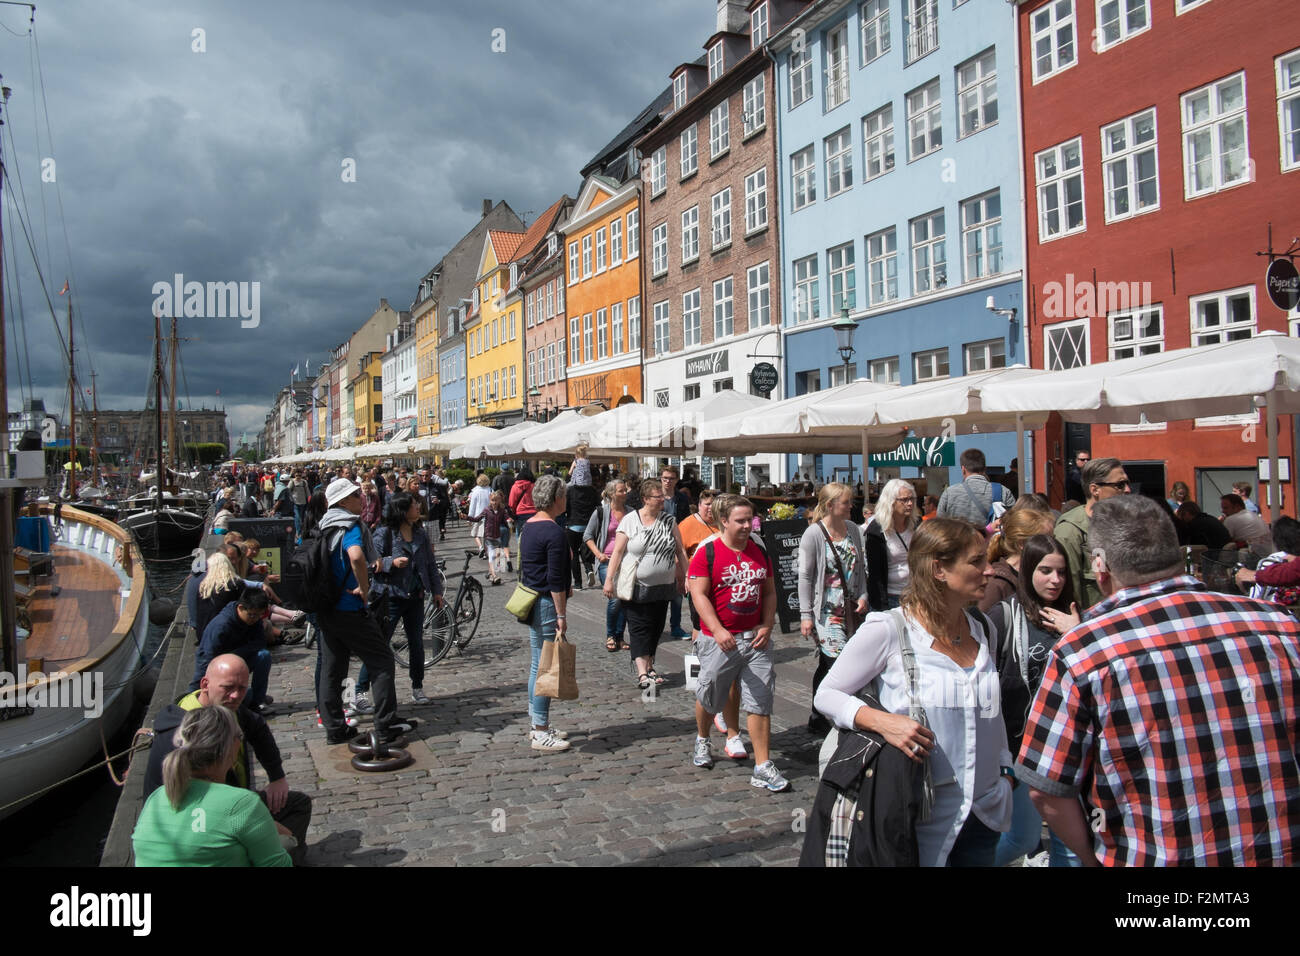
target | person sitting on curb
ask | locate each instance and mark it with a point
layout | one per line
(238, 630)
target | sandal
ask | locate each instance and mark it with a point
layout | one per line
(659, 681)
(611, 645)
(624, 646)
(643, 681)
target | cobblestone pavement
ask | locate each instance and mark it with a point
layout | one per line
(626, 792)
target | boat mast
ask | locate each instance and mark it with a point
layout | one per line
(72, 408)
(94, 430)
(8, 608)
(157, 383)
(171, 405)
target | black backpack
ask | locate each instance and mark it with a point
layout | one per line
(311, 563)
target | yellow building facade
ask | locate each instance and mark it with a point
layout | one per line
(494, 341)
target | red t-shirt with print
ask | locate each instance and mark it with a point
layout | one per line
(736, 589)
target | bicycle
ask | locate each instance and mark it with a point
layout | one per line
(452, 625)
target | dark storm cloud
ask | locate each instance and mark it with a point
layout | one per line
(226, 165)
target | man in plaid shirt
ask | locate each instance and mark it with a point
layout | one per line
(1171, 710)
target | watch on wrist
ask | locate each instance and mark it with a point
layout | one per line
(1010, 774)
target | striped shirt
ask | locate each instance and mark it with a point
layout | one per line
(1173, 711)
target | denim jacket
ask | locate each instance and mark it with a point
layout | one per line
(425, 566)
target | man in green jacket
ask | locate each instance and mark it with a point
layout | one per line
(1101, 478)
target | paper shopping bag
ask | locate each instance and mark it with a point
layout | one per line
(557, 671)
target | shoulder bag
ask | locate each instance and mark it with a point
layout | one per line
(851, 621)
(625, 585)
(523, 598)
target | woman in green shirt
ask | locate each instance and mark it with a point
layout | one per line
(194, 818)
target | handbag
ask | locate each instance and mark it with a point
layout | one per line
(557, 670)
(625, 586)
(521, 602)
(851, 621)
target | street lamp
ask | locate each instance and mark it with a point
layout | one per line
(844, 330)
(534, 396)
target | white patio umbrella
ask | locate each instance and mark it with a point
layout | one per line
(636, 429)
(563, 435)
(446, 441)
(472, 450)
(512, 445)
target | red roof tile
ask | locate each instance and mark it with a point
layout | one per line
(504, 244)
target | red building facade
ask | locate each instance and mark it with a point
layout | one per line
(1160, 143)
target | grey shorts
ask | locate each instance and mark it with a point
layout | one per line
(718, 670)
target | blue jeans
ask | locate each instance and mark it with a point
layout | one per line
(410, 612)
(1026, 829)
(975, 846)
(299, 513)
(261, 676)
(540, 628)
(615, 616)
(675, 614)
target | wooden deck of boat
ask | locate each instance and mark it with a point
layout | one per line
(87, 605)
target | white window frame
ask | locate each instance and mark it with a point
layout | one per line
(588, 353)
(841, 273)
(616, 328)
(659, 250)
(634, 324)
(720, 219)
(661, 398)
(602, 251)
(692, 326)
(803, 177)
(807, 290)
(977, 93)
(985, 356)
(658, 171)
(1215, 123)
(1125, 159)
(922, 20)
(839, 164)
(586, 256)
(874, 39)
(1182, 6)
(934, 274)
(758, 26)
(1126, 336)
(679, 90)
(889, 365)
(550, 300)
(1060, 336)
(529, 301)
(878, 142)
(661, 331)
(882, 269)
(1201, 335)
(724, 308)
(719, 130)
(689, 149)
(1288, 126)
(753, 106)
(1124, 10)
(936, 363)
(758, 286)
(1059, 155)
(616, 241)
(532, 369)
(1048, 23)
(986, 231)
(756, 201)
(575, 340)
(575, 275)
(717, 61)
(924, 119)
(602, 333)
(837, 66)
(690, 391)
(690, 234)
(633, 234)
(559, 299)
(800, 77)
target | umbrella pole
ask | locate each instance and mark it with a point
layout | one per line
(1274, 480)
(1020, 453)
(866, 460)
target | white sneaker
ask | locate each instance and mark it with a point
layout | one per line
(736, 748)
(361, 705)
(548, 742)
(703, 756)
(720, 722)
(591, 579)
(417, 696)
(766, 776)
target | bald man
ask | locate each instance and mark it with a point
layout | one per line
(225, 684)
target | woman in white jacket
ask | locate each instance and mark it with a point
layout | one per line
(478, 503)
(934, 671)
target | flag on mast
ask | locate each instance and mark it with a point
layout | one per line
(64, 290)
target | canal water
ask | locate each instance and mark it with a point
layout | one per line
(68, 826)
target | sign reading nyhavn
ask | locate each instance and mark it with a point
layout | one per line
(706, 364)
(919, 453)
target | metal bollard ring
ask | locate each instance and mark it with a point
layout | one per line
(375, 756)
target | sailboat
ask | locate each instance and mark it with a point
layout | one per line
(74, 621)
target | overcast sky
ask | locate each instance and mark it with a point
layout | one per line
(227, 165)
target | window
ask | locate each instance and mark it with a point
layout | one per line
(691, 333)
(759, 283)
(753, 107)
(586, 257)
(1136, 333)
(634, 233)
(1066, 345)
(758, 27)
(724, 321)
(756, 200)
(981, 235)
(922, 28)
(679, 91)
(661, 328)
(715, 61)
(616, 331)
(573, 263)
(985, 356)
(1288, 109)
(556, 366)
(719, 130)
(882, 266)
(924, 132)
(807, 296)
(552, 244)
(723, 385)
(550, 300)
(601, 248)
(575, 340)
(721, 220)
(616, 241)
(658, 171)
(927, 366)
(800, 77)
(559, 298)
(1052, 27)
(512, 318)
(839, 162)
(661, 398)
(878, 142)
(1060, 190)
(843, 374)
(1214, 136)
(1128, 152)
(659, 249)
(803, 177)
(689, 150)
(977, 93)
(587, 353)
(874, 17)
(1117, 20)
(884, 371)
(1182, 6)
(929, 255)
(839, 267)
(810, 381)
(634, 323)
(602, 334)
(691, 235)
(1223, 317)
(691, 391)
(528, 308)
(532, 378)
(837, 66)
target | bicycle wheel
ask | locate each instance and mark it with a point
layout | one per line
(469, 605)
(437, 638)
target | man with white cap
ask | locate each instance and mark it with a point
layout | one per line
(350, 628)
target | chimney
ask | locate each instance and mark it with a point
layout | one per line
(732, 17)
(383, 303)
(487, 207)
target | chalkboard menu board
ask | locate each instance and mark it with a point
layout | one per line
(781, 538)
(276, 537)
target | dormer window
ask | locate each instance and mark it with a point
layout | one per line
(715, 61)
(679, 91)
(514, 275)
(758, 27)
(552, 244)
(474, 302)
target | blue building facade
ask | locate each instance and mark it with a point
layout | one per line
(898, 144)
(452, 394)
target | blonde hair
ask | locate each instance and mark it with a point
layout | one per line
(829, 493)
(203, 739)
(482, 480)
(884, 513)
(580, 451)
(1018, 526)
(221, 575)
(939, 541)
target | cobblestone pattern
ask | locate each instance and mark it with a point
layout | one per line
(626, 792)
